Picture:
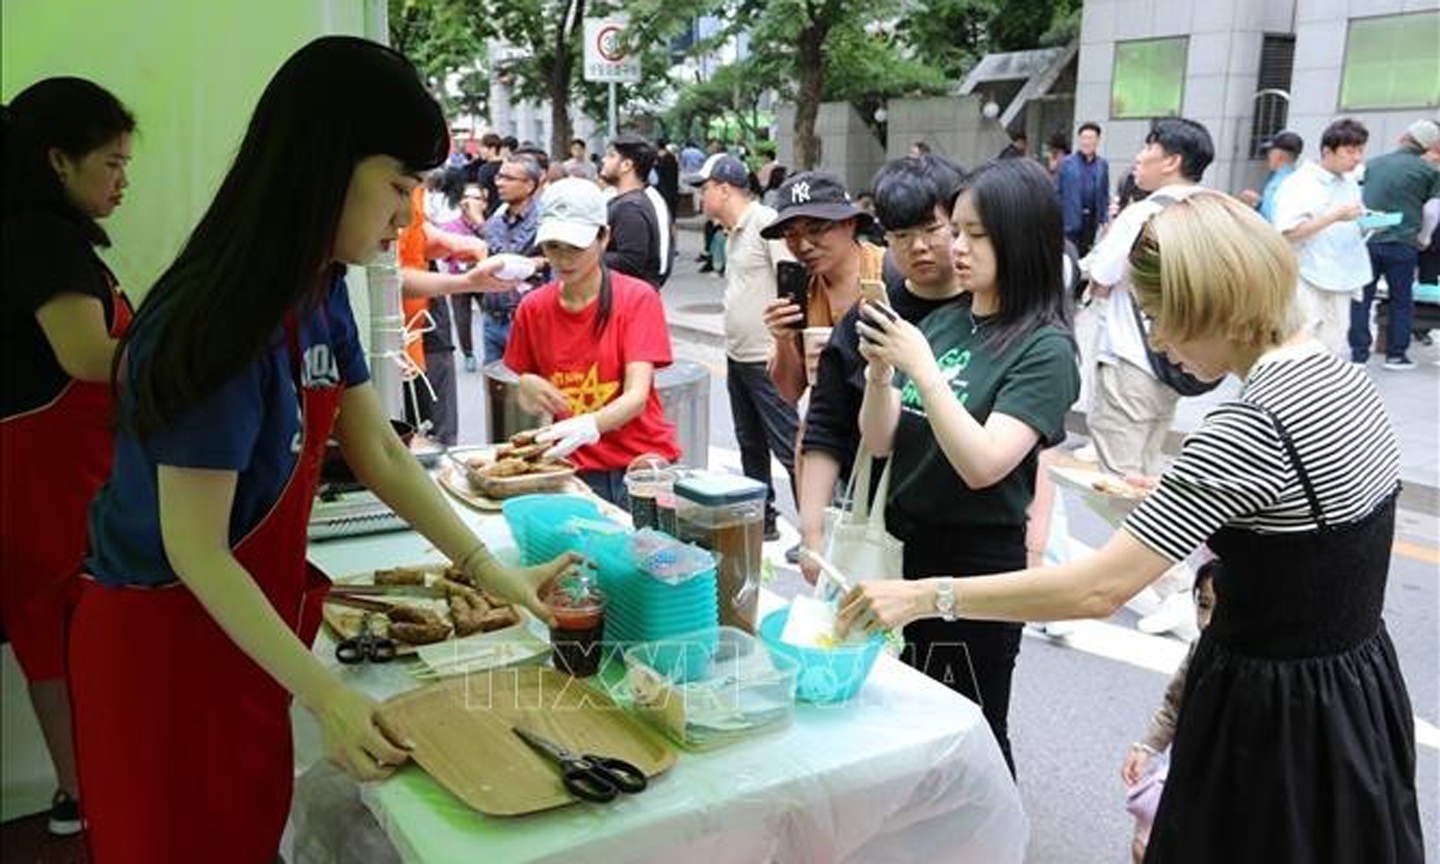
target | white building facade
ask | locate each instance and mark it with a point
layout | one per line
(1248, 68)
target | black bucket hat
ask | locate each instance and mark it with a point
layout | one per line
(814, 195)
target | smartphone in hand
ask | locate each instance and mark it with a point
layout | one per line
(792, 282)
(880, 307)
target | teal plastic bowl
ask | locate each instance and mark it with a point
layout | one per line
(827, 675)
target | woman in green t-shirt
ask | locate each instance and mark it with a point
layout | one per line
(965, 402)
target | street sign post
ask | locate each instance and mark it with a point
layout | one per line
(606, 59)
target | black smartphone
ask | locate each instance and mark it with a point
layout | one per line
(792, 282)
(883, 309)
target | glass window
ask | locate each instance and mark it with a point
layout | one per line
(1392, 62)
(1149, 78)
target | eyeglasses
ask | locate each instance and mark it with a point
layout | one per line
(934, 234)
(807, 230)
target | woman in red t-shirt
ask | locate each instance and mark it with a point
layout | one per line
(587, 345)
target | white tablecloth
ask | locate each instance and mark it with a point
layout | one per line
(906, 771)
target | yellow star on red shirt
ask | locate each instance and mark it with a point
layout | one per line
(586, 392)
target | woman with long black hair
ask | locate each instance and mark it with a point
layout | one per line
(193, 624)
(66, 148)
(983, 387)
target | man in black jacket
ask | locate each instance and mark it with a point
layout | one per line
(913, 200)
(641, 244)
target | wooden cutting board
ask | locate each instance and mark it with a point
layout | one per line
(461, 731)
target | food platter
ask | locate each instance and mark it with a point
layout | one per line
(455, 611)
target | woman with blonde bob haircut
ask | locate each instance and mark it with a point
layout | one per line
(1295, 740)
(1226, 272)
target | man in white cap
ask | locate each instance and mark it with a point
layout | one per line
(1398, 182)
(765, 423)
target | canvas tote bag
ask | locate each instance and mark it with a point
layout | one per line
(857, 543)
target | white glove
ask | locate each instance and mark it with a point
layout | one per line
(569, 435)
(513, 268)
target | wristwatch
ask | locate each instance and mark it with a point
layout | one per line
(945, 599)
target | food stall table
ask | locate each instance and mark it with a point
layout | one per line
(908, 769)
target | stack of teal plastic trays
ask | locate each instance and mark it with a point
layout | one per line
(544, 525)
(647, 599)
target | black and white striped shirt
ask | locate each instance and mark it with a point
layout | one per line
(1233, 471)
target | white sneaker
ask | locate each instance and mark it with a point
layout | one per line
(1173, 614)
(1086, 453)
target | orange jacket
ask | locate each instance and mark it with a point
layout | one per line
(411, 252)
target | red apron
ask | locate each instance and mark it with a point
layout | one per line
(183, 742)
(53, 460)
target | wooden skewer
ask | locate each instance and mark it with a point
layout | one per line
(829, 570)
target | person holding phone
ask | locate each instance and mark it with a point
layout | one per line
(193, 625)
(979, 388)
(822, 228)
(913, 199)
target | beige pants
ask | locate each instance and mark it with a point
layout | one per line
(1326, 315)
(1129, 419)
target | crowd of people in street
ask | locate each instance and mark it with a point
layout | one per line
(926, 336)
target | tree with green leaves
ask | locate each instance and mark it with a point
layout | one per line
(445, 38)
(811, 51)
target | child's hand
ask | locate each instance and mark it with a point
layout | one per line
(1136, 760)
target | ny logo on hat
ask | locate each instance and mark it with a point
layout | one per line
(800, 193)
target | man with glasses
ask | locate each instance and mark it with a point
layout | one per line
(765, 424)
(822, 228)
(511, 228)
(913, 200)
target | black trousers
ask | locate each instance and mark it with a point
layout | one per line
(460, 305)
(1084, 239)
(711, 226)
(974, 658)
(764, 424)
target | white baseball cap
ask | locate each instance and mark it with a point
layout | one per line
(572, 211)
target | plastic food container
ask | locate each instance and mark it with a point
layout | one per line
(706, 691)
(725, 513)
(1377, 219)
(539, 524)
(826, 675)
(650, 484)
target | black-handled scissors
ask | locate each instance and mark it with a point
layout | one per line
(365, 646)
(587, 776)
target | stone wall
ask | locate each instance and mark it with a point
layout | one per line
(847, 146)
(952, 125)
